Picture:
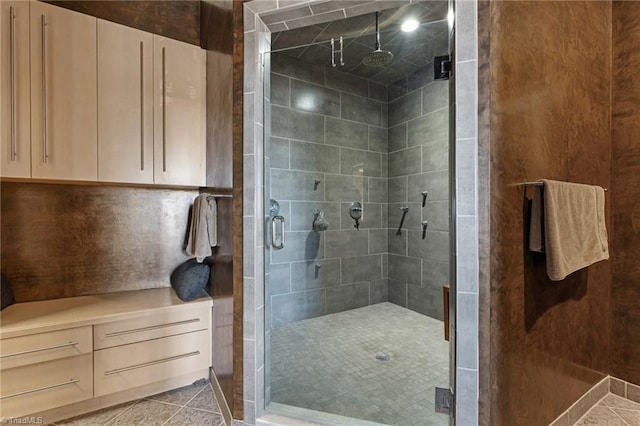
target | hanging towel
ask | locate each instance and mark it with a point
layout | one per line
(204, 229)
(575, 233)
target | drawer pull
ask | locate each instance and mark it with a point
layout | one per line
(147, 364)
(153, 327)
(63, 345)
(69, 382)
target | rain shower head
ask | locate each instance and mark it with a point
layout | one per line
(378, 57)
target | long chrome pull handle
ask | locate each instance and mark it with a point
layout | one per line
(30, 351)
(12, 48)
(150, 363)
(273, 233)
(57, 385)
(141, 105)
(152, 327)
(164, 112)
(45, 155)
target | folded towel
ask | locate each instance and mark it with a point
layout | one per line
(574, 227)
(203, 232)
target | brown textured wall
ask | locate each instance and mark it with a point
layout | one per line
(72, 240)
(238, 283)
(550, 118)
(625, 192)
(177, 19)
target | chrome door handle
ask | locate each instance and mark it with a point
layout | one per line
(273, 232)
(150, 363)
(57, 385)
(12, 41)
(30, 351)
(142, 105)
(164, 111)
(151, 327)
(45, 154)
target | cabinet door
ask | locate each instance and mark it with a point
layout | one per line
(63, 94)
(15, 138)
(125, 104)
(179, 148)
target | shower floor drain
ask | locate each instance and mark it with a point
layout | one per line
(382, 357)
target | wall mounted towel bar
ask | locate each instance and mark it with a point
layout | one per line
(541, 184)
(220, 196)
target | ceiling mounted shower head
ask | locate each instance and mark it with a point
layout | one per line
(378, 57)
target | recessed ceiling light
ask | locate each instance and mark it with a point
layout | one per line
(409, 25)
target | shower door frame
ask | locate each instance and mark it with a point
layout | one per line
(464, 197)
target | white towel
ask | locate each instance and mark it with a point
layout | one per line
(574, 227)
(203, 233)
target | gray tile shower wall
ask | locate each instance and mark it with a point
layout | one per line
(418, 142)
(328, 149)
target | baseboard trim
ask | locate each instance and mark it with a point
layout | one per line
(222, 401)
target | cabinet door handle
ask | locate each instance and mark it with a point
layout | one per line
(30, 351)
(68, 382)
(45, 155)
(164, 112)
(12, 48)
(142, 105)
(150, 363)
(152, 327)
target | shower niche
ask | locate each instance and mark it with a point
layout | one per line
(357, 132)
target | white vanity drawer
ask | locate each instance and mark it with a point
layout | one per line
(165, 323)
(45, 385)
(35, 348)
(137, 364)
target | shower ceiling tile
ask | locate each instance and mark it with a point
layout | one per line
(327, 6)
(411, 50)
(296, 37)
(316, 19)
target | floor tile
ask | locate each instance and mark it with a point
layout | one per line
(188, 416)
(205, 400)
(181, 395)
(630, 416)
(601, 416)
(329, 364)
(147, 413)
(97, 418)
(615, 401)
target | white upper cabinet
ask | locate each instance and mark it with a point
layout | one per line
(15, 138)
(179, 113)
(63, 94)
(125, 104)
(90, 100)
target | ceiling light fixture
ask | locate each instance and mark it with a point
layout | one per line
(409, 25)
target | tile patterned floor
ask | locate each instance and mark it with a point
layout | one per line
(612, 410)
(329, 364)
(191, 405)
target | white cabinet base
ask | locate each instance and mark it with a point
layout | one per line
(93, 404)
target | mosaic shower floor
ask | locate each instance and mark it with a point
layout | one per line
(329, 364)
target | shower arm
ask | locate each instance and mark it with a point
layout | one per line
(377, 33)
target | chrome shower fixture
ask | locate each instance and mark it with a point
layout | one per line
(334, 51)
(378, 57)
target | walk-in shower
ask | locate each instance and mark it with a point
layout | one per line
(357, 194)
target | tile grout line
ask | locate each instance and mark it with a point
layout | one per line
(111, 421)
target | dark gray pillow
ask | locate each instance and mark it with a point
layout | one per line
(7, 292)
(190, 279)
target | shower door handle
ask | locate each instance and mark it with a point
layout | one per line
(273, 232)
